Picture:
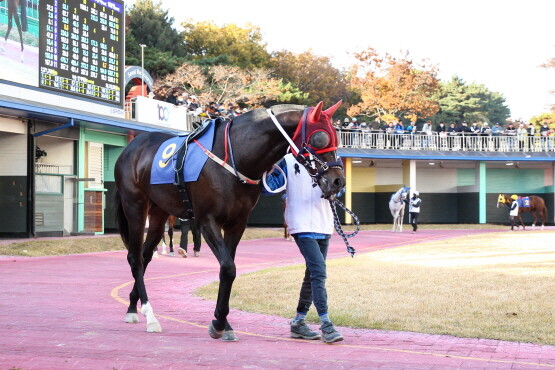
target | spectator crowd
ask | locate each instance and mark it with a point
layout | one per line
(519, 136)
(200, 108)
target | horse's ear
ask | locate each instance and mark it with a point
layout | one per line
(316, 112)
(331, 110)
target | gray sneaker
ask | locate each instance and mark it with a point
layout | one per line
(330, 334)
(299, 329)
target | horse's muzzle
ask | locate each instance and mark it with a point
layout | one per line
(331, 185)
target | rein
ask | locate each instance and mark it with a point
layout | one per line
(338, 228)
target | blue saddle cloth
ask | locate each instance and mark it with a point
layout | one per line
(523, 202)
(165, 163)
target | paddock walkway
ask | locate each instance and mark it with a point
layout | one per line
(67, 313)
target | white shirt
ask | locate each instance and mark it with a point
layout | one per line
(306, 211)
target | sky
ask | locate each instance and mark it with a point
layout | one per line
(498, 43)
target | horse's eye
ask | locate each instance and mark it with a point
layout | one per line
(319, 140)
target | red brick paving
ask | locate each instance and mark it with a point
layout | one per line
(67, 313)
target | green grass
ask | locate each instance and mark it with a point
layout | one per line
(495, 285)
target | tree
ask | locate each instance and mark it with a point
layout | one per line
(150, 25)
(548, 118)
(222, 84)
(469, 102)
(550, 64)
(311, 74)
(230, 44)
(393, 88)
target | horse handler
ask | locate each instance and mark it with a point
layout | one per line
(186, 226)
(414, 210)
(513, 213)
(310, 220)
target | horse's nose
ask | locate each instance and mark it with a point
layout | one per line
(339, 183)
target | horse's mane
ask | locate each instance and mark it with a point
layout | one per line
(260, 113)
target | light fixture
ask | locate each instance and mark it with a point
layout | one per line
(355, 162)
(431, 163)
(509, 164)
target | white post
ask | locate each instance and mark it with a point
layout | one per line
(142, 68)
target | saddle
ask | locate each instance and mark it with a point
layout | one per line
(182, 151)
(180, 155)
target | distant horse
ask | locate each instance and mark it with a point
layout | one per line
(397, 208)
(21, 25)
(223, 196)
(535, 205)
(171, 224)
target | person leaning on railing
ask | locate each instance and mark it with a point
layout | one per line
(510, 131)
(545, 133)
(485, 133)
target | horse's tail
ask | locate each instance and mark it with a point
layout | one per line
(121, 220)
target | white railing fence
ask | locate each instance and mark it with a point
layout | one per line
(467, 142)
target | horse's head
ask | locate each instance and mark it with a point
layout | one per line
(316, 140)
(502, 199)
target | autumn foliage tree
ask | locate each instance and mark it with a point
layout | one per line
(393, 88)
(221, 84)
(312, 74)
(229, 44)
(551, 64)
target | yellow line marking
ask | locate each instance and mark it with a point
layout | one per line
(115, 291)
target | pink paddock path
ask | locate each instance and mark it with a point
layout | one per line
(68, 313)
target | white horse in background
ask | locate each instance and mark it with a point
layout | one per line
(397, 208)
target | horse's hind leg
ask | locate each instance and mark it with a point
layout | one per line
(135, 213)
(225, 253)
(170, 236)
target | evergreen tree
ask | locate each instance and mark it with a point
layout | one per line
(151, 25)
(459, 102)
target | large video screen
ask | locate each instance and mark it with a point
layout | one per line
(73, 47)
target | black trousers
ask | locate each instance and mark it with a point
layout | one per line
(186, 226)
(413, 218)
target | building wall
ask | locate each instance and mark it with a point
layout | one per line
(448, 195)
(13, 178)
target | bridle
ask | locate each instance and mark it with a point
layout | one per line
(307, 155)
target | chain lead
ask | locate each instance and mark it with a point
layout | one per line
(338, 228)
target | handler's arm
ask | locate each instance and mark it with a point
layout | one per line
(275, 179)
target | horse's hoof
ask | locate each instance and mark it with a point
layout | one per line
(155, 255)
(216, 334)
(131, 318)
(154, 327)
(196, 254)
(172, 254)
(182, 252)
(229, 336)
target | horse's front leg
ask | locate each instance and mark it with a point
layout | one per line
(224, 250)
(401, 219)
(535, 220)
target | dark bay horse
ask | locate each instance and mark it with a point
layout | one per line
(221, 203)
(536, 207)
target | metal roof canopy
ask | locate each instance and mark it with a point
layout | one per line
(446, 155)
(31, 110)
